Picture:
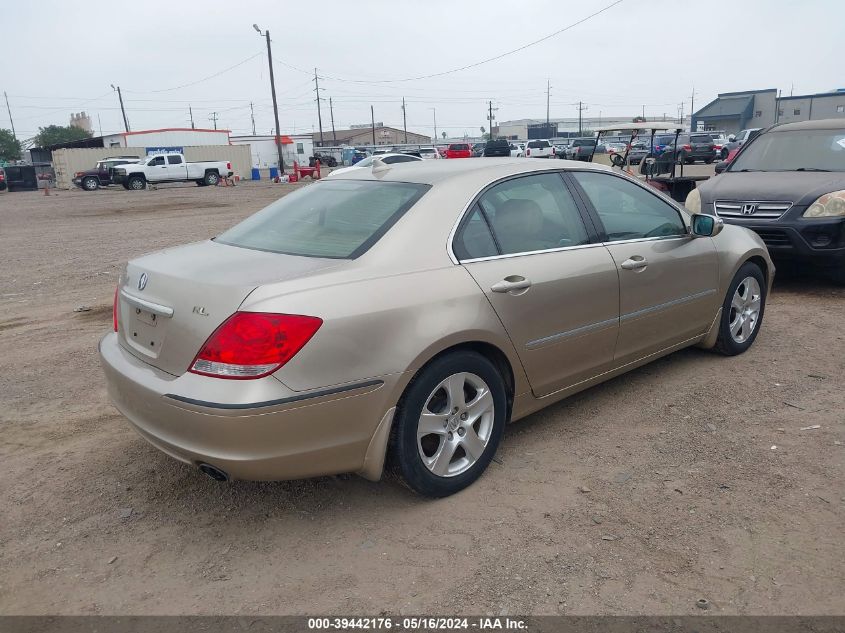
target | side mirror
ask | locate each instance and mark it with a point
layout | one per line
(732, 138)
(721, 166)
(702, 225)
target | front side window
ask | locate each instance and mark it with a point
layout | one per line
(338, 219)
(533, 213)
(627, 210)
(158, 160)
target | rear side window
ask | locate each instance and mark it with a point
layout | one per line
(533, 213)
(474, 238)
(389, 160)
(174, 160)
(340, 219)
(628, 211)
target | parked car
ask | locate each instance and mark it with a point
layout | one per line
(2, 179)
(738, 140)
(458, 150)
(20, 178)
(787, 185)
(720, 139)
(387, 159)
(690, 148)
(560, 148)
(498, 147)
(441, 149)
(325, 159)
(539, 148)
(478, 150)
(581, 149)
(517, 149)
(428, 153)
(101, 175)
(332, 329)
(158, 168)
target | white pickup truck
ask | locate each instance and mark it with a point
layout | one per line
(157, 168)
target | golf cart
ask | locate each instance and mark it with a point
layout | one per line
(659, 170)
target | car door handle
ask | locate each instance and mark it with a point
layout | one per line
(637, 262)
(511, 283)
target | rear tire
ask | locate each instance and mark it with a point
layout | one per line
(460, 398)
(211, 178)
(136, 183)
(90, 183)
(742, 311)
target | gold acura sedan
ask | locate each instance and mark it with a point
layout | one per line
(399, 317)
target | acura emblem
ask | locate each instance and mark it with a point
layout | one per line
(749, 209)
(142, 281)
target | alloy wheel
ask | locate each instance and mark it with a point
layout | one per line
(455, 425)
(745, 309)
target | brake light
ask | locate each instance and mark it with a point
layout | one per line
(254, 344)
(229, 166)
(687, 148)
(115, 308)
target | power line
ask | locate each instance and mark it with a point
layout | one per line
(198, 81)
(483, 61)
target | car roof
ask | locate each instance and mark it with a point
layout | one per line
(819, 124)
(434, 172)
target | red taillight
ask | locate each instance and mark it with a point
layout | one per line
(115, 307)
(254, 344)
(528, 152)
(687, 148)
(229, 166)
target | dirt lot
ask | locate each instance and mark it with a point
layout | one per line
(689, 478)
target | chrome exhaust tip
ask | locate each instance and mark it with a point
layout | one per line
(212, 471)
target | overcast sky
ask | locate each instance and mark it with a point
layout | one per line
(61, 57)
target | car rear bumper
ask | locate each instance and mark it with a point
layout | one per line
(817, 242)
(254, 430)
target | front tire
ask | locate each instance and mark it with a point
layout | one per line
(90, 183)
(448, 424)
(742, 311)
(136, 183)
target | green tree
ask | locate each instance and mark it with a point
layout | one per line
(53, 134)
(10, 147)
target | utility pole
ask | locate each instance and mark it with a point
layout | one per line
(373, 119)
(122, 109)
(643, 111)
(99, 123)
(490, 117)
(191, 114)
(331, 112)
(273, 91)
(252, 117)
(548, 89)
(10, 115)
(213, 117)
(581, 108)
(404, 120)
(319, 110)
(434, 111)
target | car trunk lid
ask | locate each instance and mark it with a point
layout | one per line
(171, 301)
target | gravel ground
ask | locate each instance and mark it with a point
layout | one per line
(688, 478)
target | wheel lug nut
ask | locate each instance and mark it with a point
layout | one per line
(450, 436)
(461, 432)
(455, 410)
(445, 423)
(464, 415)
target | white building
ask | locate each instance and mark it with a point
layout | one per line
(295, 147)
(172, 139)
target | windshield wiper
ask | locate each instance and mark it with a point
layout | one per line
(811, 169)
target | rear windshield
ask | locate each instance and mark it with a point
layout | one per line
(426, 150)
(584, 143)
(797, 150)
(538, 144)
(702, 138)
(340, 219)
(497, 142)
(459, 146)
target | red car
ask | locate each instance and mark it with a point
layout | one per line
(458, 150)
